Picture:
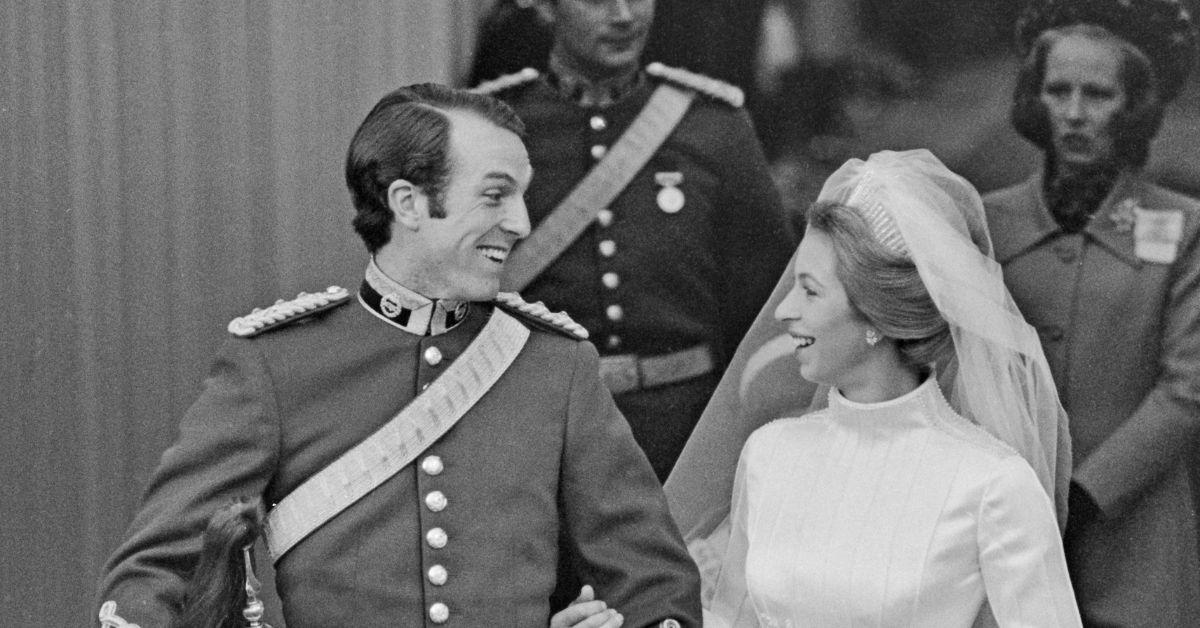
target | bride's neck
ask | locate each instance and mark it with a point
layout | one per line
(886, 381)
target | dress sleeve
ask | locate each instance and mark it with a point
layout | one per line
(1021, 554)
(730, 605)
(227, 448)
(615, 514)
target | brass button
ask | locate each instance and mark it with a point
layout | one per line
(610, 280)
(433, 356)
(604, 217)
(614, 312)
(598, 123)
(437, 575)
(608, 248)
(436, 538)
(432, 465)
(598, 151)
(613, 341)
(439, 613)
(436, 501)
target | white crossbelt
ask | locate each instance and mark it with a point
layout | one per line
(393, 446)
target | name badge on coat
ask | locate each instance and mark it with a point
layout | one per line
(1156, 234)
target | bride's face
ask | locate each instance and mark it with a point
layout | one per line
(829, 334)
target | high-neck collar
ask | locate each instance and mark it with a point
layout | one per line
(406, 309)
(589, 92)
(918, 404)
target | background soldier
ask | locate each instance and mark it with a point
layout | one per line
(666, 228)
(452, 510)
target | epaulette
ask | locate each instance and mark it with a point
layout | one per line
(286, 312)
(541, 316)
(507, 81)
(705, 85)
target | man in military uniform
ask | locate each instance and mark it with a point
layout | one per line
(656, 223)
(450, 512)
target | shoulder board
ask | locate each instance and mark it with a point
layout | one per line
(540, 316)
(507, 81)
(286, 312)
(703, 84)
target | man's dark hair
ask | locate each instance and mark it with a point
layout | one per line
(407, 136)
(1132, 128)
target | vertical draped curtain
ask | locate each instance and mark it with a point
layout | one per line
(166, 166)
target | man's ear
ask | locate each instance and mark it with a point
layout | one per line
(408, 203)
(545, 11)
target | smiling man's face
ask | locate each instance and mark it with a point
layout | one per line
(462, 254)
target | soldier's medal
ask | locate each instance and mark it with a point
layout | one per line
(670, 198)
(1156, 234)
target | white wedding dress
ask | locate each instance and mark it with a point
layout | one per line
(899, 513)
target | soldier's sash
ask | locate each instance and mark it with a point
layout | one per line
(392, 447)
(651, 127)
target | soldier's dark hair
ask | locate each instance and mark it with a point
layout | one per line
(407, 136)
(1132, 128)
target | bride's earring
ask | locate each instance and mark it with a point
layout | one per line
(873, 336)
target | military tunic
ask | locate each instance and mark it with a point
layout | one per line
(467, 535)
(648, 278)
(1122, 336)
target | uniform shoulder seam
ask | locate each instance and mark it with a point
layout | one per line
(284, 313)
(507, 81)
(539, 316)
(714, 88)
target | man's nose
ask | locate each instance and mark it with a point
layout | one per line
(516, 219)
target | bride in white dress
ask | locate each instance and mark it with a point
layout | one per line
(890, 505)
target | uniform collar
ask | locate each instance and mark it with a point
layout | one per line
(1015, 232)
(403, 308)
(587, 92)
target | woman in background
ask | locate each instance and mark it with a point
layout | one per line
(1106, 265)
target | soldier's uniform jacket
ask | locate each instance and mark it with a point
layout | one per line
(1119, 321)
(642, 279)
(471, 526)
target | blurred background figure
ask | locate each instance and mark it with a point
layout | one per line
(1106, 265)
(718, 38)
(677, 258)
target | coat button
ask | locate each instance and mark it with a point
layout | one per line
(439, 613)
(436, 538)
(598, 151)
(604, 217)
(598, 123)
(614, 312)
(612, 342)
(436, 501)
(433, 356)
(432, 465)
(608, 248)
(610, 280)
(1065, 254)
(437, 575)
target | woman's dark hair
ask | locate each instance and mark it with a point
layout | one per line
(1132, 128)
(407, 136)
(884, 286)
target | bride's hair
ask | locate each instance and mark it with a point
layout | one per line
(883, 285)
